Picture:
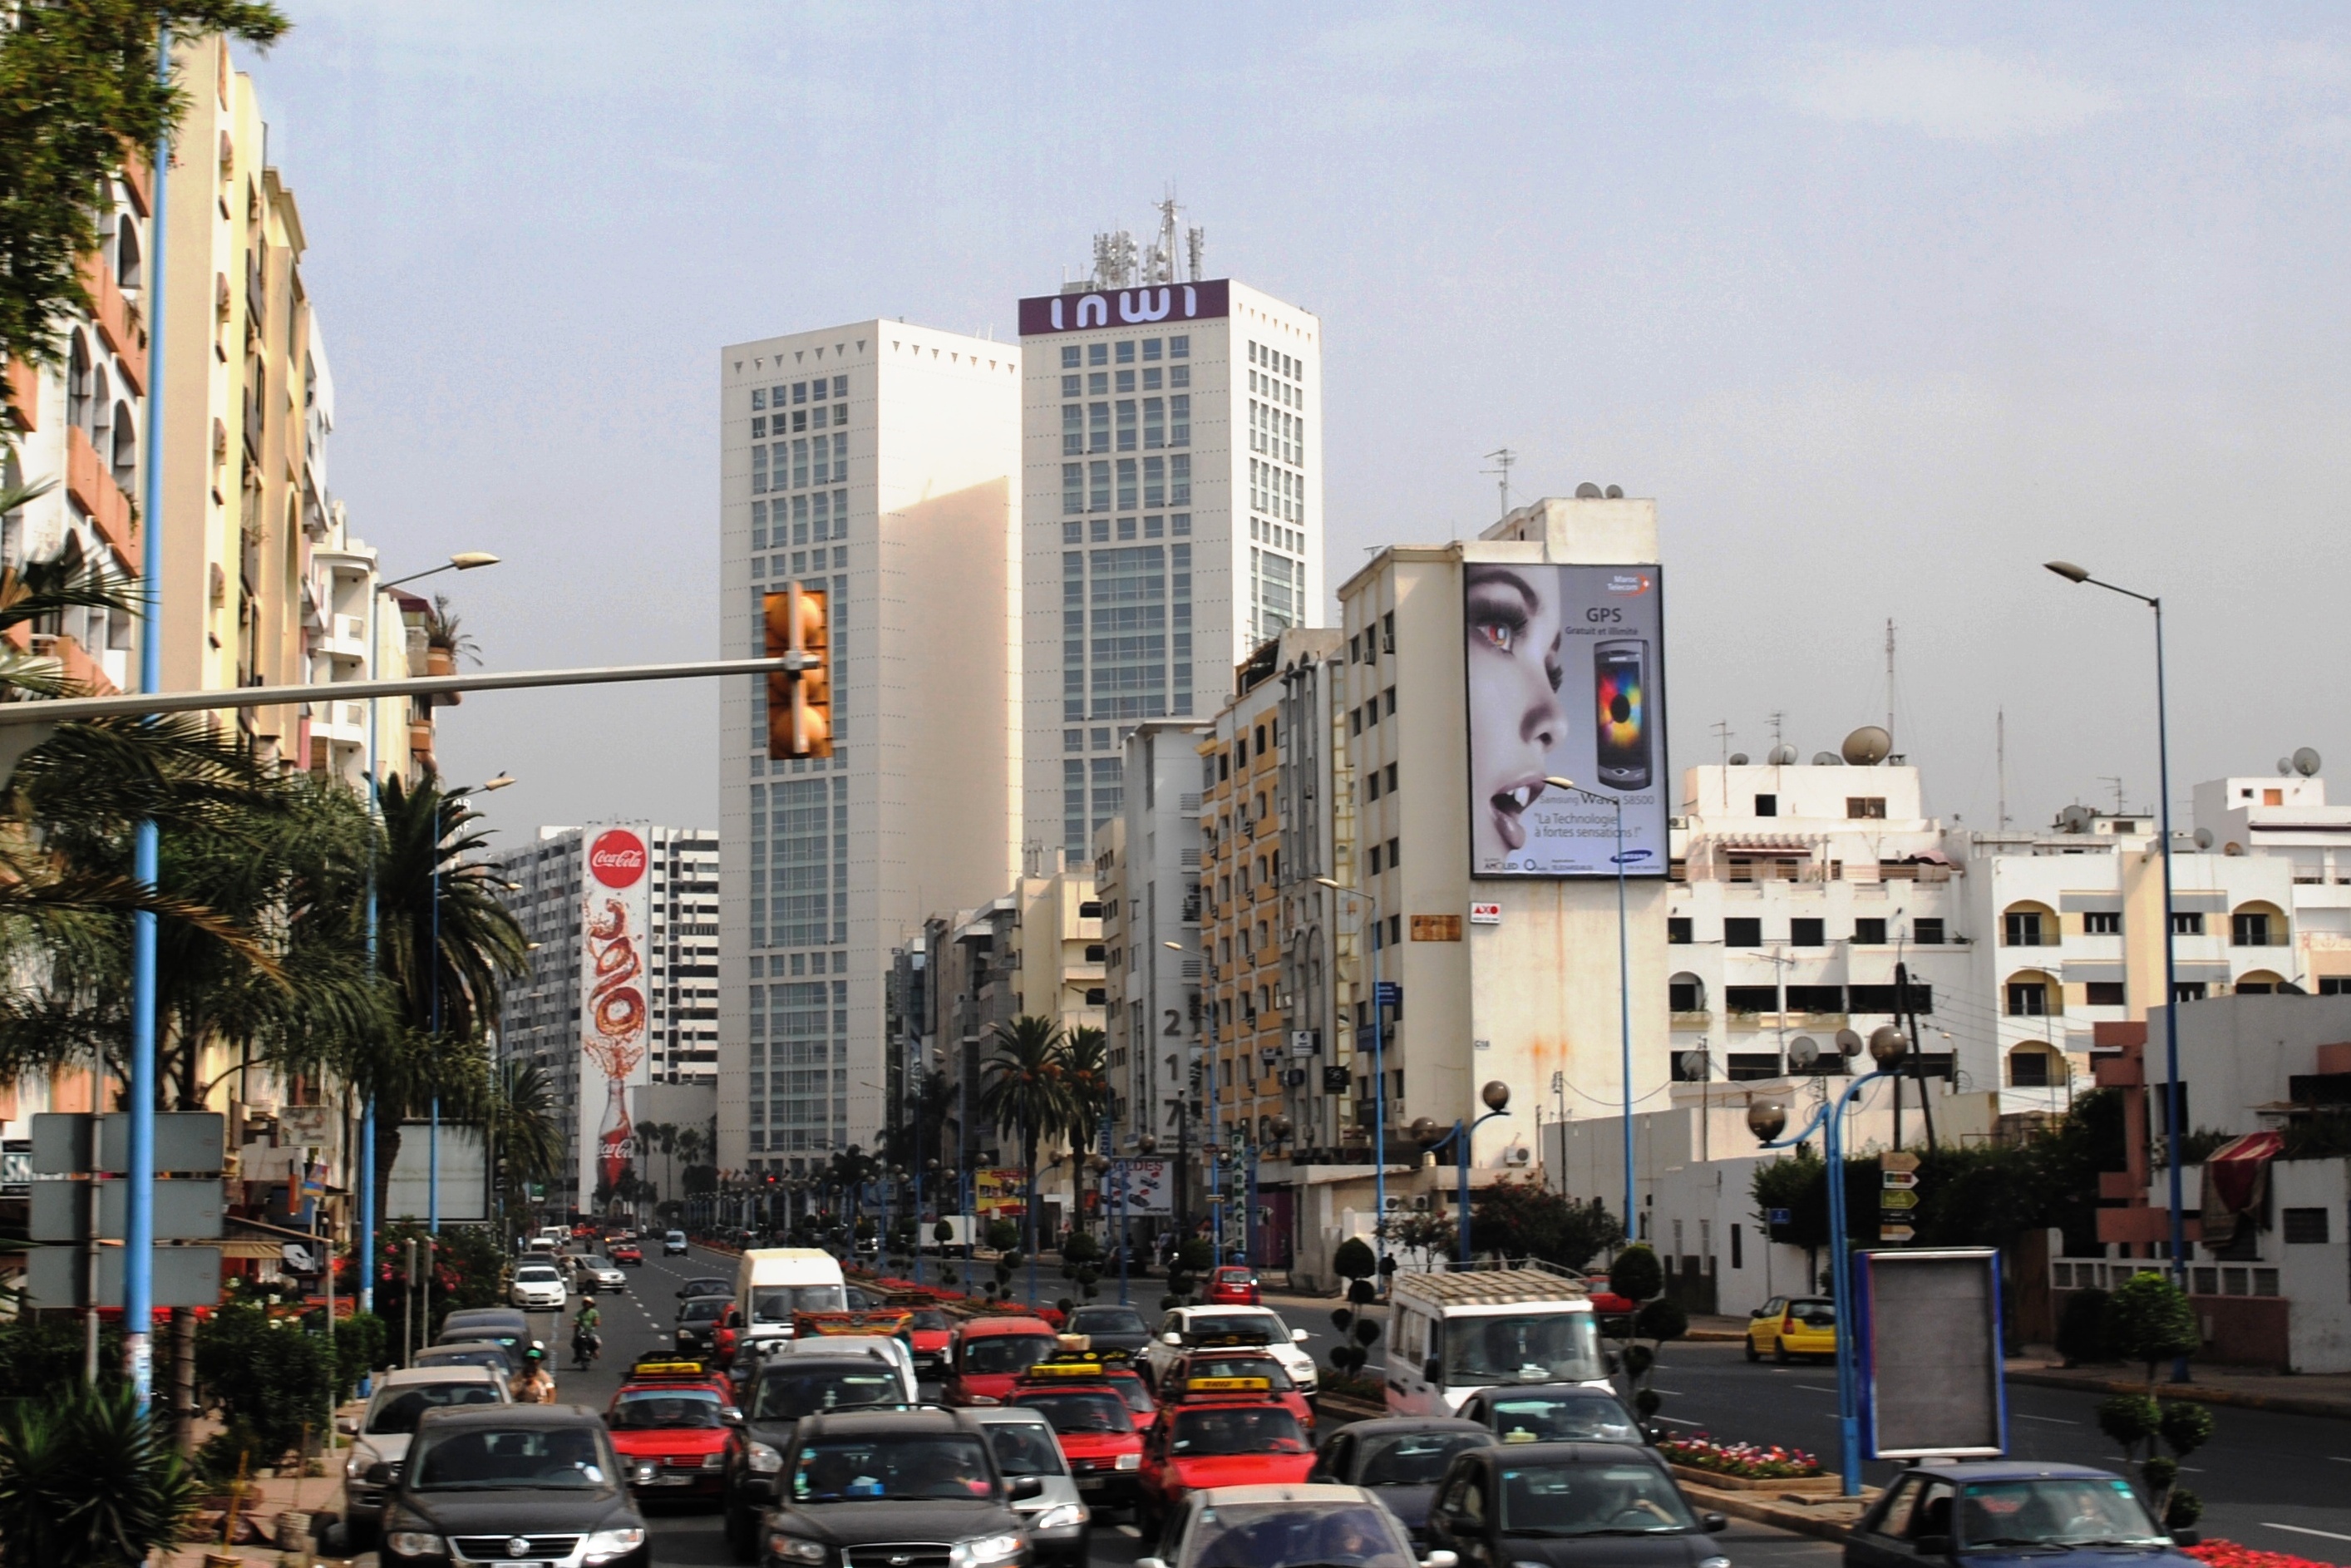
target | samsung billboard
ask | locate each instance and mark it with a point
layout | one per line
(1566, 678)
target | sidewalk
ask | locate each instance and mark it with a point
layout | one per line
(273, 1523)
(2308, 1394)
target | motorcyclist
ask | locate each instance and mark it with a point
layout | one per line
(586, 1343)
(537, 1384)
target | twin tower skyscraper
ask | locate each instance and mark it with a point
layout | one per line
(1030, 550)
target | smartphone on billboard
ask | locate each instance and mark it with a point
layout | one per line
(1620, 684)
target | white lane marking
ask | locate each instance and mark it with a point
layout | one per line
(1671, 1422)
(1813, 1388)
(1130, 1531)
(2052, 1420)
(2304, 1530)
(1675, 1392)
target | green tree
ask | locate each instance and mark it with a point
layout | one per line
(1527, 1219)
(79, 84)
(1024, 1094)
(87, 1481)
(2150, 1320)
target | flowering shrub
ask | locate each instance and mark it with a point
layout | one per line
(1754, 1461)
(2228, 1554)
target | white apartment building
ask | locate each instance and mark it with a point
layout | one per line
(2286, 816)
(539, 1014)
(1147, 865)
(880, 460)
(1171, 447)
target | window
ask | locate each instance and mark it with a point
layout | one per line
(2022, 929)
(2190, 924)
(1098, 427)
(1069, 357)
(1179, 414)
(2104, 994)
(1155, 422)
(1815, 998)
(1686, 996)
(2248, 930)
(2305, 1226)
(1179, 346)
(1743, 931)
(1179, 483)
(1098, 486)
(1767, 805)
(2027, 1069)
(1870, 931)
(1677, 928)
(1073, 429)
(1126, 353)
(2188, 991)
(1927, 933)
(1806, 933)
(1097, 353)
(2103, 923)
(2335, 985)
(1074, 488)
(1126, 419)
(1752, 999)
(2027, 999)
(1869, 806)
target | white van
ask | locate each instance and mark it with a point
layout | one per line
(1452, 1333)
(771, 1283)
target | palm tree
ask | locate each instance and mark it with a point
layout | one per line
(1085, 1057)
(525, 1128)
(1024, 1092)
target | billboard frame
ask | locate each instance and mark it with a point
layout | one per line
(1865, 1324)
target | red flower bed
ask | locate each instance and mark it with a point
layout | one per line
(2229, 1554)
(1749, 1462)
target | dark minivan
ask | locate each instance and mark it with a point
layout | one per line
(922, 1484)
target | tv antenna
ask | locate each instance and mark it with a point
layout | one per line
(2000, 742)
(1722, 732)
(2110, 778)
(1889, 680)
(1502, 457)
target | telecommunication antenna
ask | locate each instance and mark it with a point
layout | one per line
(1722, 732)
(2000, 737)
(1196, 246)
(1503, 458)
(2110, 778)
(1889, 678)
(1159, 267)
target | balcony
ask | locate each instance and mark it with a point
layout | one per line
(117, 321)
(88, 678)
(93, 489)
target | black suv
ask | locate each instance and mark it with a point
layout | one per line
(904, 1488)
(787, 1388)
(528, 1485)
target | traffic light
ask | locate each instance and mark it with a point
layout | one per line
(800, 695)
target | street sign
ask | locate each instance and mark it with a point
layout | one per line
(1334, 1080)
(1779, 1216)
(1895, 1233)
(1897, 1160)
(64, 1144)
(186, 1210)
(1306, 1043)
(183, 1277)
(1485, 914)
(1897, 1200)
(1900, 1181)
(1389, 993)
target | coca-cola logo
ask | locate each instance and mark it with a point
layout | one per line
(617, 858)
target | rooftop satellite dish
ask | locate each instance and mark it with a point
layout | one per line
(1803, 1051)
(1694, 1066)
(2305, 762)
(1615, 492)
(1848, 1043)
(2285, 766)
(2203, 838)
(1826, 759)
(1738, 760)
(1781, 755)
(1867, 747)
(1587, 491)
(2075, 819)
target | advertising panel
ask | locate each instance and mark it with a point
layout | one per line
(1150, 1188)
(1159, 304)
(615, 928)
(1566, 679)
(998, 1192)
(1929, 1341)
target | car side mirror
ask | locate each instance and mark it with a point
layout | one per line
(347, 1426)
(1023, 1487)
(1171, 1339)
(2187, 1537)
(1713, 1524)
(1441, 1559)
(1433, 1370)
(730, 1413)
(1931, 1545)
(1297, 1336)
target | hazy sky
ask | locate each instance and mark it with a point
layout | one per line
(1884, 304)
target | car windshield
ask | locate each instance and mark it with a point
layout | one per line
(2055, 1511)
(397, 1410)
(1816, 1314)
(703, 1309)
(1006, 1351)
(786, 1393)
(1138, 1398)
(1411, 1459)
(898, 1467)
(928, 1317)
(487, 1356)
(490, 1459)
(536, 1274)
(1025, 1449)
(1252, 1328)
(1622, 1498)
(1250, 1429)
(777, 1303)
(1106, 1320)
(1296, 1535)
(1265, 1366)
(1536, 1347)
(1080, 1411)
(708, 1288)
(1563, 1418)
(670, 1408)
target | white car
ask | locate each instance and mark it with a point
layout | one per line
(1188, 1328)
(371, 1469)
(673, 1244)
(602, 1274)
(538, 1285)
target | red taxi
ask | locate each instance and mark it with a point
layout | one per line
(1130, 1387)
(1232, 1286)
(1090, 1421)
(672, 1429)
(1219, 1432)
(986, 1356)
(932, 1334)
(625, 1252)
(1244, 1362)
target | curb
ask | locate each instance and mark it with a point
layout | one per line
(2197, 1392)
(1715, 1336)
(1756, 1510)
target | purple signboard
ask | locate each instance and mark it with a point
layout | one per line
(1159, 302)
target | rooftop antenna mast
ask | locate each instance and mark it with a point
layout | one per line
(1889, 684)
(1159, 266)
(2110, 778)
(1502, 457)
(1722, 732)
(2000, 734)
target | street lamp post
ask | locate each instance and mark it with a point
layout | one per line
(1379, 1077)
(1623, 990)
(2171, 1093)
(1497, 1096)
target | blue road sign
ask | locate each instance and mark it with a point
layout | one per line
(1779, 1216)
(1389, 993)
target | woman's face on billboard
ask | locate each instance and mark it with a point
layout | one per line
(1515, 720)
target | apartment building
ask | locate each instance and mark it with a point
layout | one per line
(548, 891)
(880, 460)
(1171, 445)
(1147, 867)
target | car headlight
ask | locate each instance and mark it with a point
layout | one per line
(981, 1399)
(1129, 1462)
(1062, 1517)
(791, 1549)
(984, 1549)
(1522, 1562)
(414, 1543)
(356, 1465)
(607, 1545)
(1714, 1563)
(714, 1461)
(765, 1459)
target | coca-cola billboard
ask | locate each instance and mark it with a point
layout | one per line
(615, 1006)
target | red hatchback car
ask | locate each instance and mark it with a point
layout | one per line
(987, 1355)
(626, 1252)
(672, 1433)
(1233, 1286)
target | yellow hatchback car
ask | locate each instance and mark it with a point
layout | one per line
(1791, 1326)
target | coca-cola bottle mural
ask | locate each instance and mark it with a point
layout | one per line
(613, 1038)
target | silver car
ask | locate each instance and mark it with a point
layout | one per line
(1058, 1523)
(381, 1437)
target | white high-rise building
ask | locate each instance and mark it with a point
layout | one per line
(1172, 473)
(877, 460)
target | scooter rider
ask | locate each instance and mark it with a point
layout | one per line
(586, 1343)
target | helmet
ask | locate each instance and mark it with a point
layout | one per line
(533, 1354)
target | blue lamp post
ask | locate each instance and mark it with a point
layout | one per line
(1497, 1095)
(1624, 988)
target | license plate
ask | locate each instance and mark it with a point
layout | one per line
(1093, 1483)
(671, 1481)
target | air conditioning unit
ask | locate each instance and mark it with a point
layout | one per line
(1521, 1156)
